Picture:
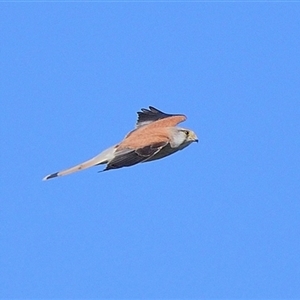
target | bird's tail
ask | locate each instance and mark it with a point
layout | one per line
(101, 158)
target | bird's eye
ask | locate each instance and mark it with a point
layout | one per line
(186, 132)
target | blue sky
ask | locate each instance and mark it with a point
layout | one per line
(220, 219)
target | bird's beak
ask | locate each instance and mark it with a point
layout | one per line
(195, 138)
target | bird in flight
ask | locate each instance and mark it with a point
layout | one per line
(155, 136)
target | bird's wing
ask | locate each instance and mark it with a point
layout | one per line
(147, 116)
(131, 157)
(154, 118)
(145, 136)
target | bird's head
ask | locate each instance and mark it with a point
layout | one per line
(182, 137)
(190, 135)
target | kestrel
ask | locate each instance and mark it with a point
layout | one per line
(155, 136)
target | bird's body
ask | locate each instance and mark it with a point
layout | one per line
(156, 136)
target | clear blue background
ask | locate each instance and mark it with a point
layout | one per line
(220, 219)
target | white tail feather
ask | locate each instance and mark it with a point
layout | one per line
(102, 158)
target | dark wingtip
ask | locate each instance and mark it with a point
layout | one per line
(153, 109)
(151, 114)
(51, 176)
